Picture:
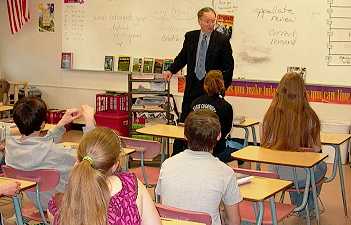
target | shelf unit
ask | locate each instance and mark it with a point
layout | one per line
(140, 93)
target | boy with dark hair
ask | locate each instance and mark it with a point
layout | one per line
(31, 151)
(194, 179)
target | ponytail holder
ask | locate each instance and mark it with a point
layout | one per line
(89, 159)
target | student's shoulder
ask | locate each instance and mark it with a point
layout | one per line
(224, 168)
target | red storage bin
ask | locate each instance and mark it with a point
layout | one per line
(116, 121)
(54, 115)
(108, 102)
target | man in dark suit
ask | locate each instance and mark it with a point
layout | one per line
(217, 56)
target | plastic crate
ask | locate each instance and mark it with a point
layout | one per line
(54, 115)
(116, 121)
(108, 102)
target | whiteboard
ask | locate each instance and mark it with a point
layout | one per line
(268, 35)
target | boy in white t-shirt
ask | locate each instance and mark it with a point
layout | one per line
(194, 179)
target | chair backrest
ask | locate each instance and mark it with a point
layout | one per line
(150, 148)
(257, 173)
(47, 179)
(180, 214)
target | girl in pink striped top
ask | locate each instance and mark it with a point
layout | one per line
(98, 195)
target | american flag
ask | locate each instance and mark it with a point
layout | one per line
(18, 11)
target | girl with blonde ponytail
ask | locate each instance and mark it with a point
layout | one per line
(97, 194)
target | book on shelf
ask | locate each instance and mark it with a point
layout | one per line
(167, 63)
(225, 24)
(137, 64)
(148, 65)
(158, 66)
(109, 63)
(124, 63)
(66, 60)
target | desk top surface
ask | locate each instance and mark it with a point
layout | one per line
(167, 221)
(163, 130)
(24, 183)
(285, 158)
(125, 151)
(267, 187)
(5, 107)
(247, 123)
(334, 138)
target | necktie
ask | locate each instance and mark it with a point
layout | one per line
(200, 65)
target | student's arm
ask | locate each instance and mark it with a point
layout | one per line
(147, 209)
(87, 113)
(231, 199)
(233, 214)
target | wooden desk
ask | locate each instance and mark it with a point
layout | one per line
(163, 130)
(4, 108)
(124, 153)
(48, 126)
(335, 140)
(167, 221)
(24, 185)
(306, 160)
(246, 125)
(267, 189)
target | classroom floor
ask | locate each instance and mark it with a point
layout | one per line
(330, 195)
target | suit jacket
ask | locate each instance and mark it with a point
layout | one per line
(218, 57)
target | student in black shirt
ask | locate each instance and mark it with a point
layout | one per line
(213, 100)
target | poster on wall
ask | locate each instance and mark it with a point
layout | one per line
(46, 17)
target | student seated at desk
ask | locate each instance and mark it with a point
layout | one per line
(291, 124)
(30, 151)
(97, 193)
(214, 101)
(196, 180)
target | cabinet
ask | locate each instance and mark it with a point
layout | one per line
(147, 95)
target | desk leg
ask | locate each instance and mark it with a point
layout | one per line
(254, 137)
(342, 181)
(18, 213)
(273, 211)
(246, 141)
(338, 165)
(163, 152)
(316, 207)
(259, 216)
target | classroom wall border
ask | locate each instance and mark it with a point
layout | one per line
(267, 89)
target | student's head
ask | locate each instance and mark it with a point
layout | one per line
(202, 130)
(214, 83)
(207, 19)
(29, 114)
(290, 122)
(87, 194)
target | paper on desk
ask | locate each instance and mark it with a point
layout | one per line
(244, 180)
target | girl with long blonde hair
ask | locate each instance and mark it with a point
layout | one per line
(290, 124)
(96, 193)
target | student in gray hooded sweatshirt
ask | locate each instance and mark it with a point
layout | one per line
(30, 151)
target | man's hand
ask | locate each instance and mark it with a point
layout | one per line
(167, 75)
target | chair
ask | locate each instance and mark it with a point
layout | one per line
(144, 150)
(247, 211)
(180, 214)
(46, 179)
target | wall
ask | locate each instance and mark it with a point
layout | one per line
(29, 53)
